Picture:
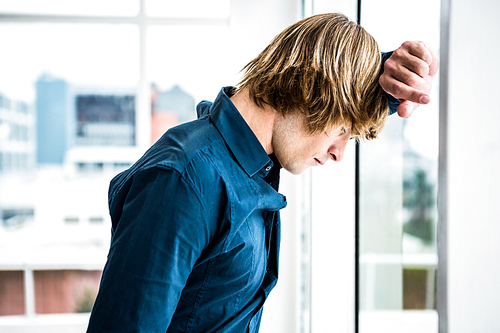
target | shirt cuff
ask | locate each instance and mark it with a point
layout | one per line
(393, 102)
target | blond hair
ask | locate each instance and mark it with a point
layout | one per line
(326, 67)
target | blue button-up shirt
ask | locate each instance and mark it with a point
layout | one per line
(196, 231)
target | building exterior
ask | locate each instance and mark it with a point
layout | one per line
(105, 120)
(69, 116)
(57, 159)
(169, 108)
(17, 135)
(56, 162)
(55, 114)
(17, 151)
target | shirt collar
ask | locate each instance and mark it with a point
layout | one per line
(238, 136)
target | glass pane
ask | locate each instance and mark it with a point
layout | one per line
(186, 64)
(380, 225)
(188, 8)
(74, 7)
(85, 55)
(67, 125)
(398, 260)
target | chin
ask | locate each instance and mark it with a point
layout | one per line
(295, 170)
(293, 166)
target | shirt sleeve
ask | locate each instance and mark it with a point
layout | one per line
(160, 234)
(393, 101)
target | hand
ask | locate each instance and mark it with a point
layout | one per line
(408, 75)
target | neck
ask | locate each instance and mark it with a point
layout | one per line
(260, 120)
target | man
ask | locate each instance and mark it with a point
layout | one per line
(196, 226)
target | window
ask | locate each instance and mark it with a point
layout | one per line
(76, 8)
(398, 190)
(76, 80)
(188, 8)
(394, 287)
(86, 87)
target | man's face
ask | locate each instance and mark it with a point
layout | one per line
(296, 149)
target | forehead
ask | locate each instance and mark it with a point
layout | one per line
(333, 129)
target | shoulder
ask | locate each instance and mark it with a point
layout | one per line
(187, 152)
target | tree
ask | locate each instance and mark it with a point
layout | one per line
(418, 198)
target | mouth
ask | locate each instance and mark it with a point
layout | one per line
(318, 162)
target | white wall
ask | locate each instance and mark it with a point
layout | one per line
(469, 234)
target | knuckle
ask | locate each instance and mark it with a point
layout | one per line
(415, 96)
(381, 80)
(413, 81)
(407, 44)
(399, 52)
(390, 65)
(423, 69)
(397, 89)
(385, 82)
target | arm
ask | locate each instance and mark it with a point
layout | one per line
(160, 235)
(408, 74)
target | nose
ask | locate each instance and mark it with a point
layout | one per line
(338, 156)
(337, 150)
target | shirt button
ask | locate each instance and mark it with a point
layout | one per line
(268, 168)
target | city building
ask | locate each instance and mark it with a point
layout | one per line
(169, 108)
(17, 135)
(53, 188)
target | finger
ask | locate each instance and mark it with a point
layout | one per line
(411, 79)
(426, 53)
(419, 50)
(403, 91)
(433, 67)
(406, 108)
(403, 60)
